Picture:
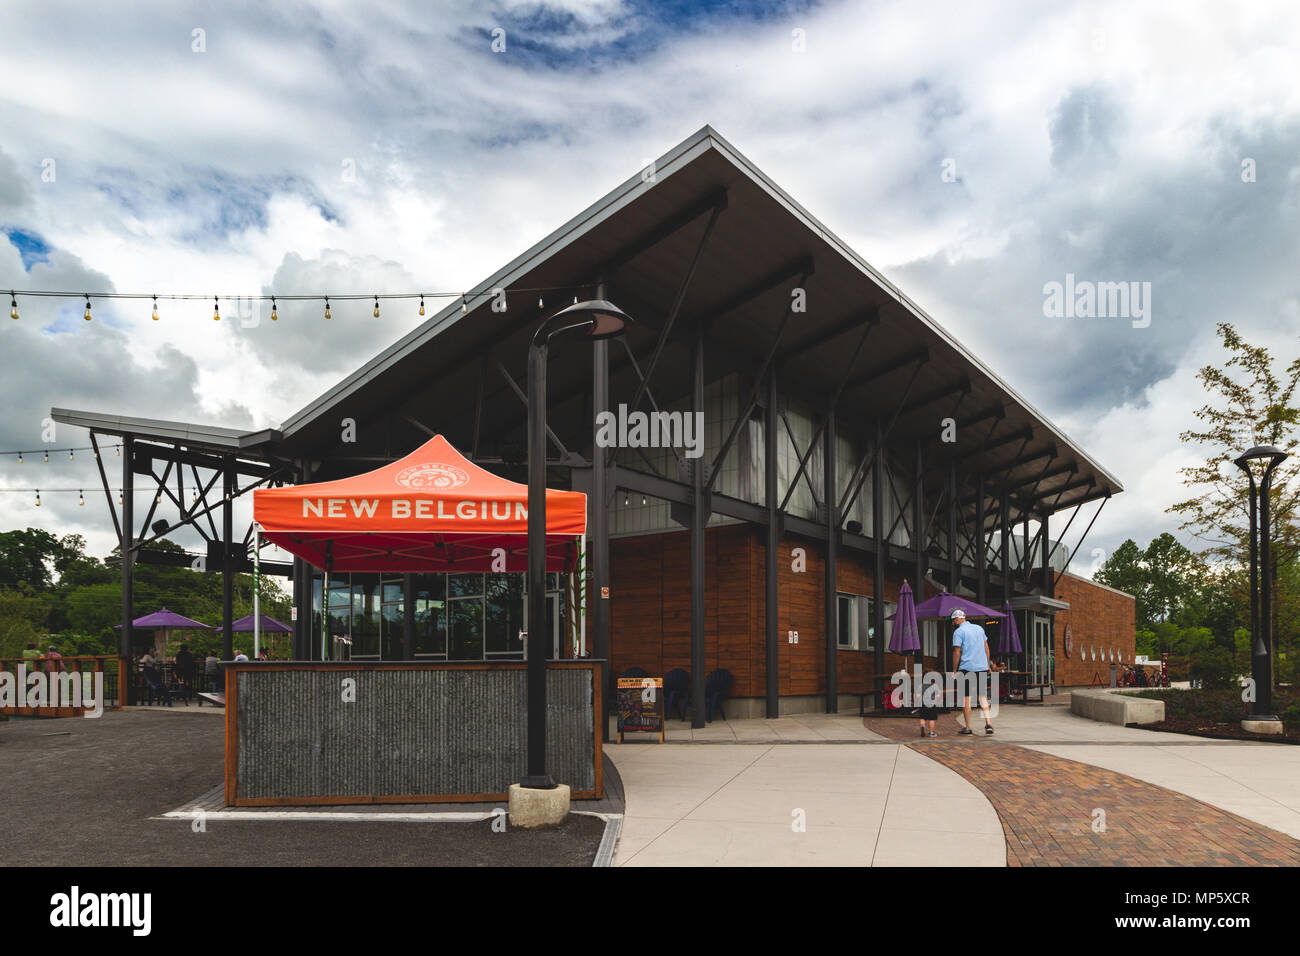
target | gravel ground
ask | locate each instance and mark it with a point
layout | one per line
(79, 792)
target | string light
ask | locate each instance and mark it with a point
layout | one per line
(87, 315)
(327, 307)
(376, 307)
(20, 458)
(216, 310)
(47, 457)
(71, 457)
(643, 499)
(625, 501)
(274, 317)
(81, 498)
(38, 497)
(119, 497)
(13, 306)
(422, 304)
(464, 309)
(155, 308)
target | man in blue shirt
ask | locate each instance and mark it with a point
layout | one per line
(970, 659)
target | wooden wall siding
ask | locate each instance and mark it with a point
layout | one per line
(650, 614)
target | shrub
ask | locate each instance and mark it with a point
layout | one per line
(1214, 668)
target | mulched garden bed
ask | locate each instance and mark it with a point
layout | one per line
(1218, 731)
(1217, 713)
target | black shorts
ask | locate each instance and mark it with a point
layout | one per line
(929, 713)
(977, 686)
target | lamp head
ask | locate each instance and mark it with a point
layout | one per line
(1274, 456)
(606, 319)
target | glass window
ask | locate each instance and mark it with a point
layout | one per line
(392, 619)
(464, 585)
(846, 622)
(430, 615)
(466, 615)
(869, 626)
(504, 612)
(929, 638)
(365, 616)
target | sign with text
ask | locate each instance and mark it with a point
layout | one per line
(640, 706)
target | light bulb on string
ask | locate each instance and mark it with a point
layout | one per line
(81, 498)
(643, 499)
(47, 457)
(216, 310)
(38, 497)
(464, 309)
(155, 308)
(13, 306)
(87, 315)
(119, 450)
(274, 317)
(327, 307)
(376, 307)
(422, 303)
(625, 501)
(20, 458)
(71, 456)
(119, 497)
(158, 500)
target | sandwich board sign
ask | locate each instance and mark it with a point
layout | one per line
(641, 706)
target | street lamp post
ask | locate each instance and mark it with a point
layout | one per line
(600, 320)
(1261, 669)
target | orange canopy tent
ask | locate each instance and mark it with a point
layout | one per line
(433, 510)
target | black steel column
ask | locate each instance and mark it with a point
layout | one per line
(1264, 679)
(1045, 553)
(981, 571)
(1026, 562)
(878, 537)
(954, 555)
(126, 641)
(699, 519)
(227, 566)
(539, 630)
(408, 617)
(831, 495)
(918, 542)
(598, 509)
(1005, 521)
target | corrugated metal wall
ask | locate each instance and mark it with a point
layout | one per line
(409, 732)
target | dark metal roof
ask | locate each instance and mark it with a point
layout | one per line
(209, 437)
(644, 235)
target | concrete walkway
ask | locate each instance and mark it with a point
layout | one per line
(727, 794)
(807, 791)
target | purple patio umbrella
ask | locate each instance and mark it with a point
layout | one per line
(166, 621)
(906, 637)
(942, 606)
(1008, 636)
(269, 625)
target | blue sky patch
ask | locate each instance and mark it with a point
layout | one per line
(30, 246)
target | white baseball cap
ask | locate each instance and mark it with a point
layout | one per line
(957, 613)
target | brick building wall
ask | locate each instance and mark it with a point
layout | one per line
(1100, 620)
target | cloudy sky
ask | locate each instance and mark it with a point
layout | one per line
(971, 151)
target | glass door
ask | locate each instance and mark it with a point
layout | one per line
(1041, 656)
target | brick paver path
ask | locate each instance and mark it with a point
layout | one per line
(1048, 806)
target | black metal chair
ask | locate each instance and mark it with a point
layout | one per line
(716, 688)
(677, 689)
(155, 689)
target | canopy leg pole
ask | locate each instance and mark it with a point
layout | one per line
(257, 589)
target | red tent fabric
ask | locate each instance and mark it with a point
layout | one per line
(433, 510)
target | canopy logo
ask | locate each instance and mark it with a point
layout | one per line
(102, 909)
(432, 474)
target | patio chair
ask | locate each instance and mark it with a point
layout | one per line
(716, 688)
(677, 688)
(155, 689)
